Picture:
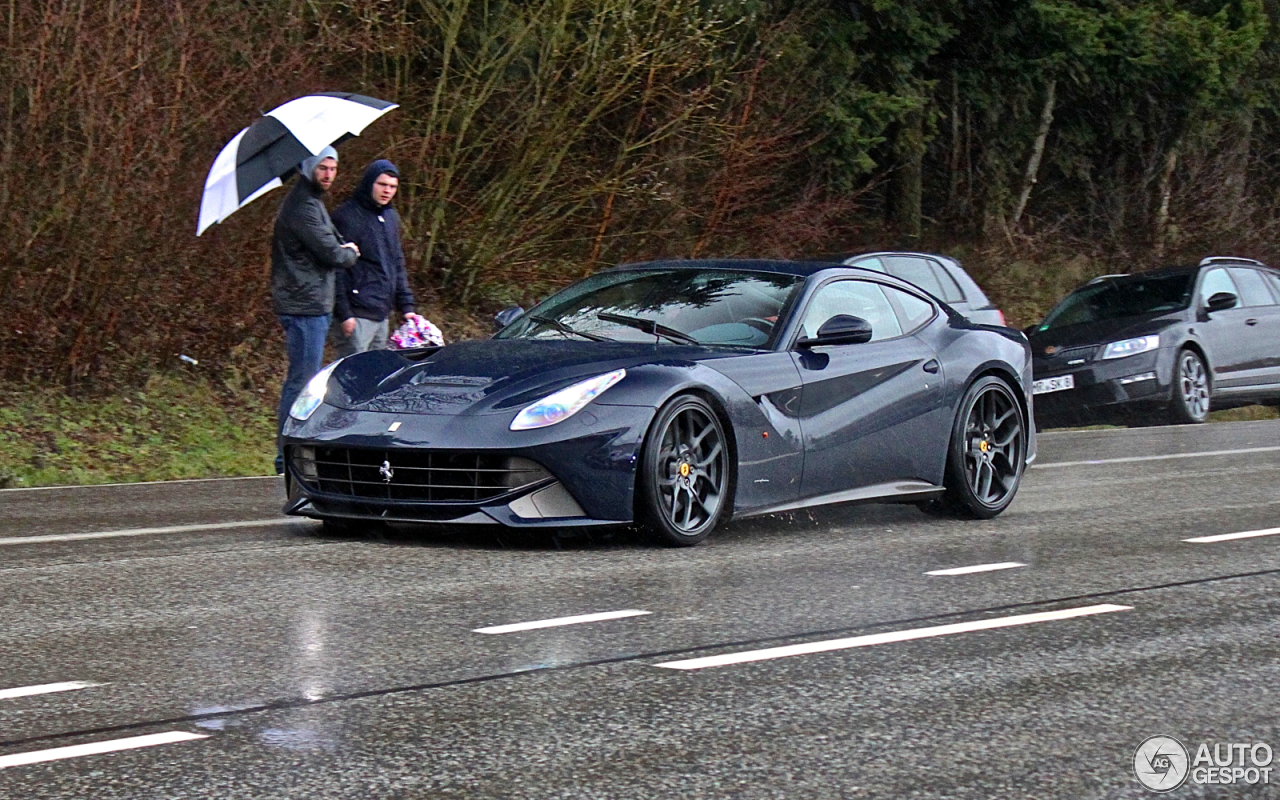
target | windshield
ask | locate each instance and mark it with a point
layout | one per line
(677, 306)
(1126, 297)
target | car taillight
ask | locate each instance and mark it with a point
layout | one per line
(1000, 314)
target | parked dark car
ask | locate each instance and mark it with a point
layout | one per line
(675, 394)
(1173, 342)
(941, 276)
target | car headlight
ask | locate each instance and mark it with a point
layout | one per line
(312, 395)
(1131, 347)
(565, 403)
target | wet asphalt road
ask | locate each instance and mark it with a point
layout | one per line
(349, 668)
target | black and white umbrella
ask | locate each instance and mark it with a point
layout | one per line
(254, 162)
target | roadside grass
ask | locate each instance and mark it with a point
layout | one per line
(173, 427)
(1242, 414)
(1245, 414)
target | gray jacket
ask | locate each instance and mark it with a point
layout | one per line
(305, 251)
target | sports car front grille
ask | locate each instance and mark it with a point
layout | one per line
(421, 476)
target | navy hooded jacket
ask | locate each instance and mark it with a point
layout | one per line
(377, 283)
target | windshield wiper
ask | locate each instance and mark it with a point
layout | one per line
(560, 326)
(648, 326)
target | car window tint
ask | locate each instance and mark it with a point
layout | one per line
(1253, 290)
(913, 312)
(856, 299)
(950, 289)
(915, 271)
(1217, 280)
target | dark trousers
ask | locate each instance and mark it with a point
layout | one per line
(304, 342)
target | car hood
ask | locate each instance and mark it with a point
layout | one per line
(1098, 333)
(487, 376)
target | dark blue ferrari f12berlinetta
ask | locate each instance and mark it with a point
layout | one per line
(675, 394)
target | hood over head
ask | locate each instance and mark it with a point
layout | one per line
(364, 192)
(308, 166)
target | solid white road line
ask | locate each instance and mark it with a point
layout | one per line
(46, 688)
(213, 526)
(1226, 537)
(976, 568)
(135, 483)
(1129, 459)
(110, 746)
(558, 621)
(886, 638)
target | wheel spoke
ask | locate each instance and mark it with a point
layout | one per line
(708, 503)
(983, 489)
(1004, 418)
(676, 497)
(1005, 480)
(696, 441)
(1005, 441)
(712, 456)
(688, 508)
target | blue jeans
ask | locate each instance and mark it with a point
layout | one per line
(304, 342)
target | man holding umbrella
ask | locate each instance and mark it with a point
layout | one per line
(306, 250)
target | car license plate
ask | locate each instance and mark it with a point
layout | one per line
(1046, 385)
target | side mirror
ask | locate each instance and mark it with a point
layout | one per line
(505, 317)
(840, 329)
(1221, 301)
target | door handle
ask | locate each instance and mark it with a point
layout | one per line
(932, 366)
(1250, 322)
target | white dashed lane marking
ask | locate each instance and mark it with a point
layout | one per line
(1226, 537)
(891, 636)
(558, 621)
(94, 748)
(213, 526)
(976, 568)
(1130, 459)
(45, 688)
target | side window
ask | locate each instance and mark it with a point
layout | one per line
(913, 312)
(1216, 280)
(1253, 289)
(857, 299)
(916, 271)
(950, 289)
(870, 263)
(1273, 280)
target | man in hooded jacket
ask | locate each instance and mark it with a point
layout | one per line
(306, 251)
(377, 284)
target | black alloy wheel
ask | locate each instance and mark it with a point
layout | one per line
(988, 450)
(1190, 401)
(684, 472)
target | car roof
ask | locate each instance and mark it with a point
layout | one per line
(801, 269)
(1168, 272)
(1181, 269)
(912, 253)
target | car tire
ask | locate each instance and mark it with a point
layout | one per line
(684, 478)
(987, 452)
(1189, 394)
